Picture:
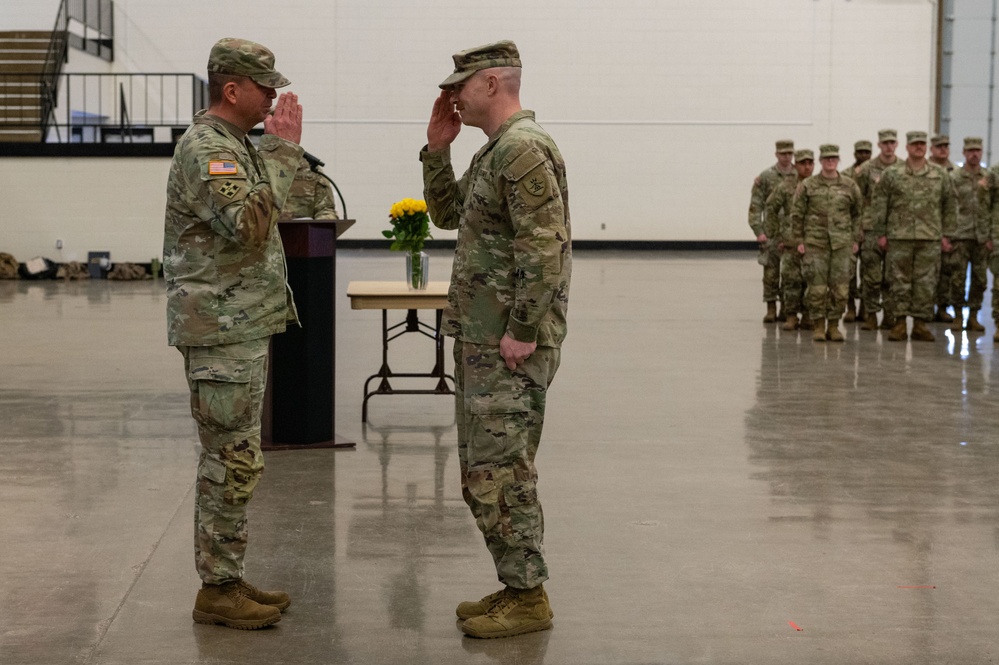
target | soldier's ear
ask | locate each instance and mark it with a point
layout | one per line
(230, 91)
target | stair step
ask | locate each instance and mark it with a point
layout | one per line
(20, 68)
(26, 34)
(20, 100)
(16, 136)
(20, 55)
(20, 116)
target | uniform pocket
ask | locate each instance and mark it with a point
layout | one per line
(499, 428)
(222, 398)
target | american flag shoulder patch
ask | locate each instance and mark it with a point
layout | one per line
(222, 168)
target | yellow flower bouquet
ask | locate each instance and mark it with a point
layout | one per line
(410, 230)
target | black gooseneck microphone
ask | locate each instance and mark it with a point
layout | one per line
(314, 164)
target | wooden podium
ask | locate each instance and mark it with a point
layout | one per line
(298, 406)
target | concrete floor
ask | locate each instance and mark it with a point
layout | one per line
(709, 483)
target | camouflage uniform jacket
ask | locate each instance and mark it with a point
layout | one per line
(779, 208)
(990, 201)
(826, 213)
(914, 205)
(310, 196)
(513, 257)
(972, 217)
(867, 176)
(765, 185)
(225, 283)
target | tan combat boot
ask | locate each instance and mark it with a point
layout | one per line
(862, 312)
(806, 322)
(278, 599)
(230, 605)
(832, 332)
(973, 323)
(791, 323)
(920, 333)
(995, 336)
(476, 608)
(898, 332)
(819, 334)
(942, 315)
(851, 312)
(771, 315)
(888, 321)
(958, 323)
(517, 612)
(870, 322)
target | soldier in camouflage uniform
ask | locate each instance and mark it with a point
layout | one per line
(971, 233)
(874, 288)
(825, 222)
(990, 207)
(310, 196)
(764, 229)
(227, 293)
(940, 156)
(914, 213)
(779, 209)
(861, 153)
(507, 312)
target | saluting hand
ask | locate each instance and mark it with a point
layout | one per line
(445, 123)
(286, 122)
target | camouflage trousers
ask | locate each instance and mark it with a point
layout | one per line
(874, 289)
(827, 273)
(994, 267)
(792, 282)
(227, 391)
(954, 275)
(770, 260)
(500, 414)
(914, 269)
(854, 281)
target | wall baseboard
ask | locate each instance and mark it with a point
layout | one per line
(587, 245)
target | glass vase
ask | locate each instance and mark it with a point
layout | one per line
(417, 270)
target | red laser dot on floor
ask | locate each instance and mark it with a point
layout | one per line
(795, 626)
(922, 586)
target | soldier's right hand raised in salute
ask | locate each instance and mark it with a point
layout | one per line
(445, 123)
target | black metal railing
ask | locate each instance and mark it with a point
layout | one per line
(90, 27)
(102, 108)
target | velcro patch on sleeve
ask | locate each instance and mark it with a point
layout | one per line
(228, 189)
(222, 167)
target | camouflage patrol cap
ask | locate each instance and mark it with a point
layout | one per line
(785, 145)
(241, 57)
(802, 155)
(861, 146)
(940, 139)
(915, 136)
(828, 150)
(972, 143)
(887, 135)
(469, 61)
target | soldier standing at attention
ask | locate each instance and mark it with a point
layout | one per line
(763, 187)
(990, 204)
(874, 289)
(861, 153)
(779, 208)
(227, 293)
(507, 312)
(310, 196)
(825, 219)
(914, 214)
(940, 156)
(972, 232)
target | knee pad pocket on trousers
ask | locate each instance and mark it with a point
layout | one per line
(521, 512)
(222, 399)
(499, 428)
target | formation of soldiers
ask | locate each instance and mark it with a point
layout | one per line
(912, 227)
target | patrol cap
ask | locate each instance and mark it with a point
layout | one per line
(241, 57)
(861, 146)
(940, 139)
(802, 155)
(915, 136)
(972, 143)
(828, 150)
(785, 145)
(887, 135)
(469, 61)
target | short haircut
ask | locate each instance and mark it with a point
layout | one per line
(216, 82)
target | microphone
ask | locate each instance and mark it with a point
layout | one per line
(314, 162)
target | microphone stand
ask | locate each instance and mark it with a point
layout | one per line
(314, 164)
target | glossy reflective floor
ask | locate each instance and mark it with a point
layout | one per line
(710, 484)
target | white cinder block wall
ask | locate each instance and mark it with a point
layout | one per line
(664, 110)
